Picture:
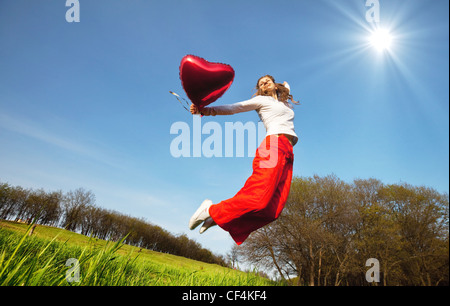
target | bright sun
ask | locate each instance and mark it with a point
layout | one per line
(381, 39)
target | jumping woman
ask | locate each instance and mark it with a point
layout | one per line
(265, 192)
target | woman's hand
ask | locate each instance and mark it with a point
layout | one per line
(194, 110)
(285, 84)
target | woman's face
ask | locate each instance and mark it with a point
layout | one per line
(267, 85)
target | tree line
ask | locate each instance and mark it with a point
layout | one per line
(329, 229)
(76, 211)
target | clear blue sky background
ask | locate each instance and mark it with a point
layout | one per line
(87, 104)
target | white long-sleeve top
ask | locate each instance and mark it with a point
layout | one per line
(278, 117)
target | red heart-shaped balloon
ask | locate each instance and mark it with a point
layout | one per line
(204, 82)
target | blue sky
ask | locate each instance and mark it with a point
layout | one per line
(87, 104)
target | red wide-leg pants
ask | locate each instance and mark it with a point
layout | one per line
(264, 194)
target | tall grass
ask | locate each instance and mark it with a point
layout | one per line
(33, 261)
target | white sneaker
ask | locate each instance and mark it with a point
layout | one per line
(208, 223)
(200, 215)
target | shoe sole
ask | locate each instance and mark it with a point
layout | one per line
(194, 221)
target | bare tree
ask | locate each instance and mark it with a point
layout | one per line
(74, 203)
(328, 229)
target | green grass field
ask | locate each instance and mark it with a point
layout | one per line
(40, 260)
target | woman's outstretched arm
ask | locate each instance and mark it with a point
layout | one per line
(229, 109)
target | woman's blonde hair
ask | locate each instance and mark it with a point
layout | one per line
(283, 93)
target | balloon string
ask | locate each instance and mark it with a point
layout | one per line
(178, 98)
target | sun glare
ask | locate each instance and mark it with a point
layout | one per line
(381, 39)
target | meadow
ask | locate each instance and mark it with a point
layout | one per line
(48, 257)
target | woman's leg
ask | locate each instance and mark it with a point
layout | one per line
(264, 194)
